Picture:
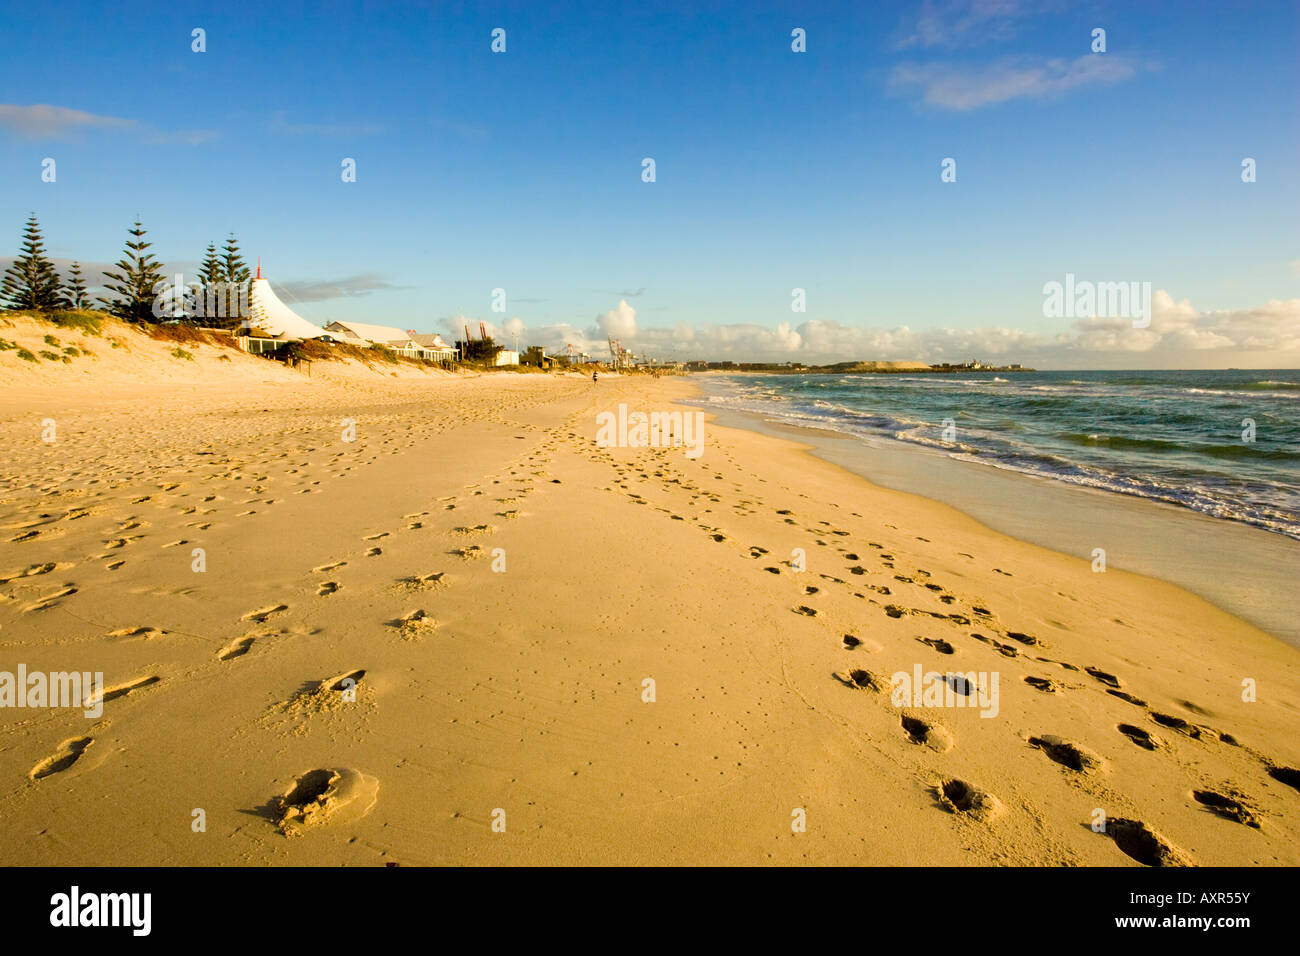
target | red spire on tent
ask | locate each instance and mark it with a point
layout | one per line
(259, 267)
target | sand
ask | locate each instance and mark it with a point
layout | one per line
(471, 636)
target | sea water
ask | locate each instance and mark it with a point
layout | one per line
(1225, 443)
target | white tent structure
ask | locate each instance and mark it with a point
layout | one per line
(271, 317)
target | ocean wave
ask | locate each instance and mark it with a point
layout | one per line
(1170, 436)
(1199, 500)
(1163, 446)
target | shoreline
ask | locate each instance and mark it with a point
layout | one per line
(1246, 571)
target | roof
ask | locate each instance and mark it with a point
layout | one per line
(380, 334)
(430, 341)
(268, 313)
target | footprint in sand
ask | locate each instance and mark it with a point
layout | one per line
(50, 600)
(1045, 684)
(940, 645)
(1110, 680)
(1137, 701)
(143, 630)
(1067, 754)
(963, 798)
(374, 552)
(324, 796)
(1027, 640)
(930, 734)
(33, 570)
(238, 648)
(328, 567)
(1139, 736)
(261, 614)
(1230, 807)
(1178, 724)
(414, 623)
(859, 679)
(327, 587)
(67, 754)
(1287, 775)
(421, 581)
(1143, 843)
(121, 690)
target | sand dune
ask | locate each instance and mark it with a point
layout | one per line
(473, 636)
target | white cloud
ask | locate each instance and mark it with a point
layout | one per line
(280, 123)
(619, 322)
(962, 22)
(342, 288)
(962, 87)
(42, 121)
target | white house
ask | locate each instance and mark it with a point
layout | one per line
(410, 344)
(434, 347)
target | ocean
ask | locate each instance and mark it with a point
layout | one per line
(1225, 443)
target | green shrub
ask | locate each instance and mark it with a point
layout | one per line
(180, 353)
(6, 345)
(69, 350)
(50, 356)
(83, 320)
(51, 340)
(26, 356)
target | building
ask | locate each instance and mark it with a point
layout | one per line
(363, 334)
(535, 355)
(409, 344)
(270, 324)
(435, 349)
(507, 357)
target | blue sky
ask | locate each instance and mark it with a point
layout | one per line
(774, 169)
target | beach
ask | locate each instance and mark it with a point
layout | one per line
(428, 619)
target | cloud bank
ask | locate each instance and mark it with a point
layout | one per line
(1179, 336)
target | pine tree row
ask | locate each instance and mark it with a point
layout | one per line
(133, 285)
